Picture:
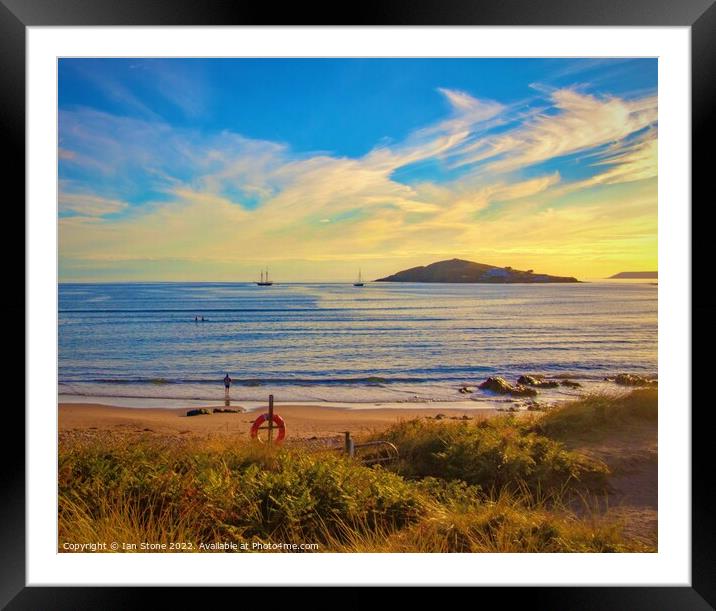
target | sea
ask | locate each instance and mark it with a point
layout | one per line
(384, 343)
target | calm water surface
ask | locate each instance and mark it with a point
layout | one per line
(336, 342)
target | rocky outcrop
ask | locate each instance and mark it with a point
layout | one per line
(501, 386)
(630, 379)
(537, 381)
(459, 270)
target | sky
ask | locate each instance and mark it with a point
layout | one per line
(212, 169)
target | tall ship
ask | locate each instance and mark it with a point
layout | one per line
(359, 282)
(265, 279)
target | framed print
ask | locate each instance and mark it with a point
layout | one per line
(361, 304)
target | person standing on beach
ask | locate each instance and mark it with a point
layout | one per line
(227, 385)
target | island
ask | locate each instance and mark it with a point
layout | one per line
(459, 270)
(632, 275)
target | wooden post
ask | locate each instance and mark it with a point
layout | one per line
(270, 419)
(349, 447)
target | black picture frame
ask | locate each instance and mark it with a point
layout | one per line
(17, 15)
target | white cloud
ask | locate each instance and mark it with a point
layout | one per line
(89, 205)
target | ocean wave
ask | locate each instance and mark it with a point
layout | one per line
(345, 393)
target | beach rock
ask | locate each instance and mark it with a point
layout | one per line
(466, 390)
(570, 384)
(549, 384)
(630, 379)
(538, 381)
(496, 384)
(439, 416)
(536, 407)
(530, 378)
(226, 410)
(503, 387)
(523, 391)
(198, 412)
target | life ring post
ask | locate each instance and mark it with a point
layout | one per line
(273, 421)
(270, 419)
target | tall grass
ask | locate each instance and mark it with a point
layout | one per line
(219, 492)
(506, 523)
(599, 413)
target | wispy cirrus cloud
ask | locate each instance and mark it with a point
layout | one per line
(575, 122)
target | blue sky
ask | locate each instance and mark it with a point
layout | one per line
(427, 155)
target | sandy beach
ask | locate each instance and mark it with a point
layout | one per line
(302, 421)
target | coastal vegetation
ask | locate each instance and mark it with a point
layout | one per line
(504, 484)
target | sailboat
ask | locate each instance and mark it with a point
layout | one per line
(265, 279)
(360, 280)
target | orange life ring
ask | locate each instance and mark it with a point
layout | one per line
(278, 421)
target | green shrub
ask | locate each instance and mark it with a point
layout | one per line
(237, 492)
(491, 454)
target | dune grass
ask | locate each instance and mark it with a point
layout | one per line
(599, 413)
(493, 454)
(499, 485)
(508, 522)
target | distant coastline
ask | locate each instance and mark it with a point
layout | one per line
(635, 275)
